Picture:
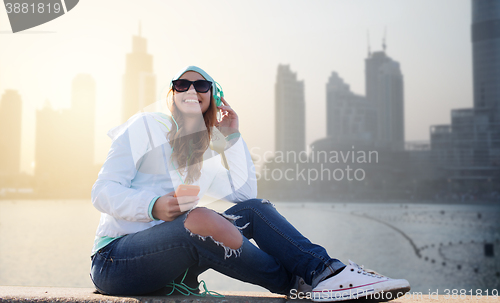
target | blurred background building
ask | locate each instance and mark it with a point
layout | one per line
(289, 134)
(466, 153)
(384, 90)
(139, 82)
(461, 161)
(359, 125)
(64, 138)
(375, 120)
(64, 149)
(290, 109)
(351, 118)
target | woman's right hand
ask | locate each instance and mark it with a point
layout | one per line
(168, 207)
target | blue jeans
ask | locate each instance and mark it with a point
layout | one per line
(148, 260)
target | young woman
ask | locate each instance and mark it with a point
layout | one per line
(147, 237)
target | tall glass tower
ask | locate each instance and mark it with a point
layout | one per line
(385, 90)
(139, 81)
(290, 111)
(486, 55)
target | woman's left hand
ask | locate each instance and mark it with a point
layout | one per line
(229, 119)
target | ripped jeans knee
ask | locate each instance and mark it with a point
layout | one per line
(220, 228)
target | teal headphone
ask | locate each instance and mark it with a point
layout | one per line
(218, 93)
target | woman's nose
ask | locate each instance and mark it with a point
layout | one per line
(191, 89)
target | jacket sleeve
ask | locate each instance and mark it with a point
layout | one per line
(113, 192)
(239, 183)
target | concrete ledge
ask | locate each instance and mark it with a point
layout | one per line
(53, 294)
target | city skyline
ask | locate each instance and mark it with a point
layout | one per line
(41, 75)
(374, 120)
(138, 89)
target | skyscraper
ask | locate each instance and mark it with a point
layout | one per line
(486, 55)
(384, 89)
(371, 123)
(375, 120)
(350, 117)
(52, 153)
(10, 133)
(468, 150)
(139, 82)
(289, 107)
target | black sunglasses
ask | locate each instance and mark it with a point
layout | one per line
(182, 85)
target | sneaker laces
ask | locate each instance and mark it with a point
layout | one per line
(370, 272)
(185, 290)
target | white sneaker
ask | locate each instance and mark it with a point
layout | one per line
(303, 286)
(354, 282)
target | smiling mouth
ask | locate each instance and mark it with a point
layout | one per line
(191, 101)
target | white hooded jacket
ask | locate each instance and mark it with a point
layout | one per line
(138, 169)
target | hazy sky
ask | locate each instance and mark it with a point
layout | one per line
(240, 45)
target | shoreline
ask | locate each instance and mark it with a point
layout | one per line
(346, 202)
(401, 202)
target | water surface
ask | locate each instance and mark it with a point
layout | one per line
(433, 246)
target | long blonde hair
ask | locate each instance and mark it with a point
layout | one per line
(188, 149)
